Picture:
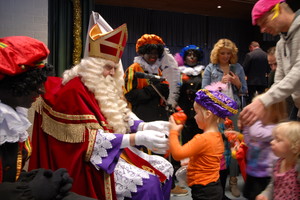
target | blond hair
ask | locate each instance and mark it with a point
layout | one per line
(291, 130)
(277, 111)
(108, 90)
(227, 44)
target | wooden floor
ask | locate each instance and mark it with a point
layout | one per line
(227, 192)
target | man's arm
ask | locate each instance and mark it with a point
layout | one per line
(251, 113)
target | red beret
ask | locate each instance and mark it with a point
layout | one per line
(20, 53)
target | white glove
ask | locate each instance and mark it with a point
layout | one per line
(161, 126)
(153, 140)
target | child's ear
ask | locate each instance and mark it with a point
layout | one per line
(296, 149)
(208, 113)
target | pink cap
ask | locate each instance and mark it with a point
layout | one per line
(261, 7)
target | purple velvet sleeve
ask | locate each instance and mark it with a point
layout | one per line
(135, 125)
(110, 159)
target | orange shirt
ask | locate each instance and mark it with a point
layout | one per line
(205, 152)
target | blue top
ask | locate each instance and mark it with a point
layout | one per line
(213, 73)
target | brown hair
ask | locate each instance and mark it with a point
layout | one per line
(271, 51)
(254, 44)
(224, 43)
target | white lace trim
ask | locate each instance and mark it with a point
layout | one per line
(158, 162)
(191, 71)
(151, 69)
(127, 178)
(102, 143)
(13, 124)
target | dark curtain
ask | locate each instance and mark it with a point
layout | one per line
(178, 30)
(60, 34)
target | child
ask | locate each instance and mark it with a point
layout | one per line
(204, 150)
(285, 183)
(260, 158)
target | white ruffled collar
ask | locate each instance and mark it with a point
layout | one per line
(151, 69)
(191, 71)
(13, 124)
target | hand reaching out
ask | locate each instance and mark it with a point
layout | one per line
(153, 140)
(174, 126)
(251, 113)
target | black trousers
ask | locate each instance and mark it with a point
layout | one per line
(252, 89)
(211, 191)
(254, 186)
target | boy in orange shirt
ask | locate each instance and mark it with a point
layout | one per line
(204, 150)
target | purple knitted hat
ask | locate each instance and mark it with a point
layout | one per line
(217, 102)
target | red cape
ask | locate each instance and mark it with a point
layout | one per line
(65, 110)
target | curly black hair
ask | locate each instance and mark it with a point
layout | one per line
(146, 49)
(29, 81)
(198, 53)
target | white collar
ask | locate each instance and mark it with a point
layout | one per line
(151, 69)
(191, 71)
(13, 124)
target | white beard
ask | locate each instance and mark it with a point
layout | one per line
(113, 107)
(108, 91)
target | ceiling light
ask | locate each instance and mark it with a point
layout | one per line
(219, 6)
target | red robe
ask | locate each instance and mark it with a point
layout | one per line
(64, 134)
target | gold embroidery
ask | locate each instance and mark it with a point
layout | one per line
(92, 138)
(19, 163)
(125, 157)
(66, 116)
(148, 169)
(107, 186)
(72, 133)
(234, 111)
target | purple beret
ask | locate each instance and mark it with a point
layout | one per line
(217, 102)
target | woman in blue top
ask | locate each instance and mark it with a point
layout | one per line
(224, 68)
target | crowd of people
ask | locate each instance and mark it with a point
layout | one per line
(102, 133)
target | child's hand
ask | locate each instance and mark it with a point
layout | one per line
(261, 197)
(173, 125)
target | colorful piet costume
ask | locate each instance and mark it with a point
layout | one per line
(144, 99)
(81, 122)
(191, 79)
(18, 55)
